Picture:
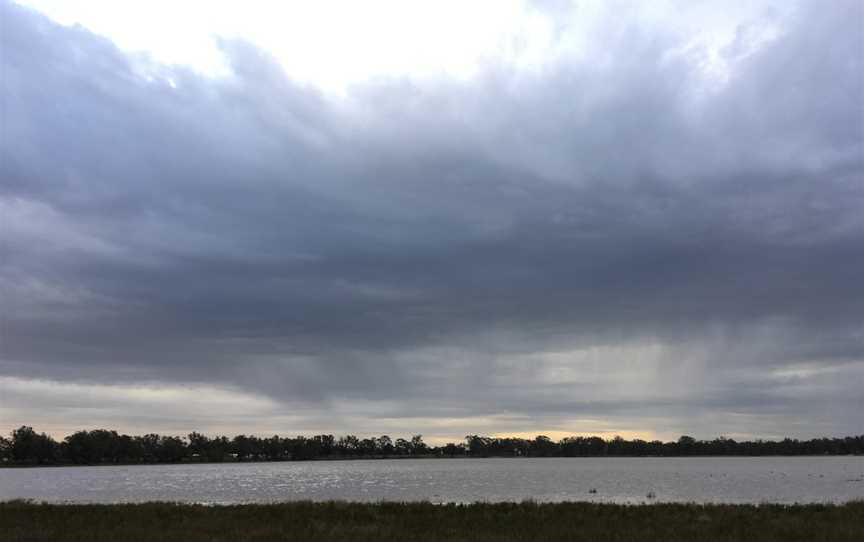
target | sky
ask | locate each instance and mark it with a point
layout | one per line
(446, 218)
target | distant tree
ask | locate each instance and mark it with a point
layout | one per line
(242, 447)
(219, 449)
(129, 449)
(385, 445)
(78, 449)
(542, 446)
(450, 449)
(617, 446)
(5, 450)
(150, 447)
(30, 447)
(686, 445)
(273, 449)
(326, 444)
(92, 447)
(348, 445)
(402, 447)
(101, 446)
(172, 449)
(367, 446)
(418, 447)
(199, 445)
(477, 446)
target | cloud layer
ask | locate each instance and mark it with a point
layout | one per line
(614, 240)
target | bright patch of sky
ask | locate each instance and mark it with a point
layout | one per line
(332, 44)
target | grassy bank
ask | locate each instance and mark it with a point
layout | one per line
(20, 521)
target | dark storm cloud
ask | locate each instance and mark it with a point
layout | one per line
(418, 242)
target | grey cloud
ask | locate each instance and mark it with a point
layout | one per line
(411, 242)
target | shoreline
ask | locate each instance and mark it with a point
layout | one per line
(424, 521)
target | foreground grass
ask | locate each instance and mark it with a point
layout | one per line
(21, 521)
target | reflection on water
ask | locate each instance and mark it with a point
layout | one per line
(715, 479)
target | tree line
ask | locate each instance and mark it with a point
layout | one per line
(102, 446)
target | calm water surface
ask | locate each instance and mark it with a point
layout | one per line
(727, 479)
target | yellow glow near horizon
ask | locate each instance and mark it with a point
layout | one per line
(557, 435)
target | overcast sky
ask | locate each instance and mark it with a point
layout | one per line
(501, 218)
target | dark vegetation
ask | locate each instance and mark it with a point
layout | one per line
(21, 521)
(101, 446)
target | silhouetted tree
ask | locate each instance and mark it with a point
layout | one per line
(385, 445)
(100, 446)
(686, 445)
(451, 450)
(417, 446)
(402, 447)
(30, 447)
(5, 450)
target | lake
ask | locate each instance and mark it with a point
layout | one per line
(619, 480)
